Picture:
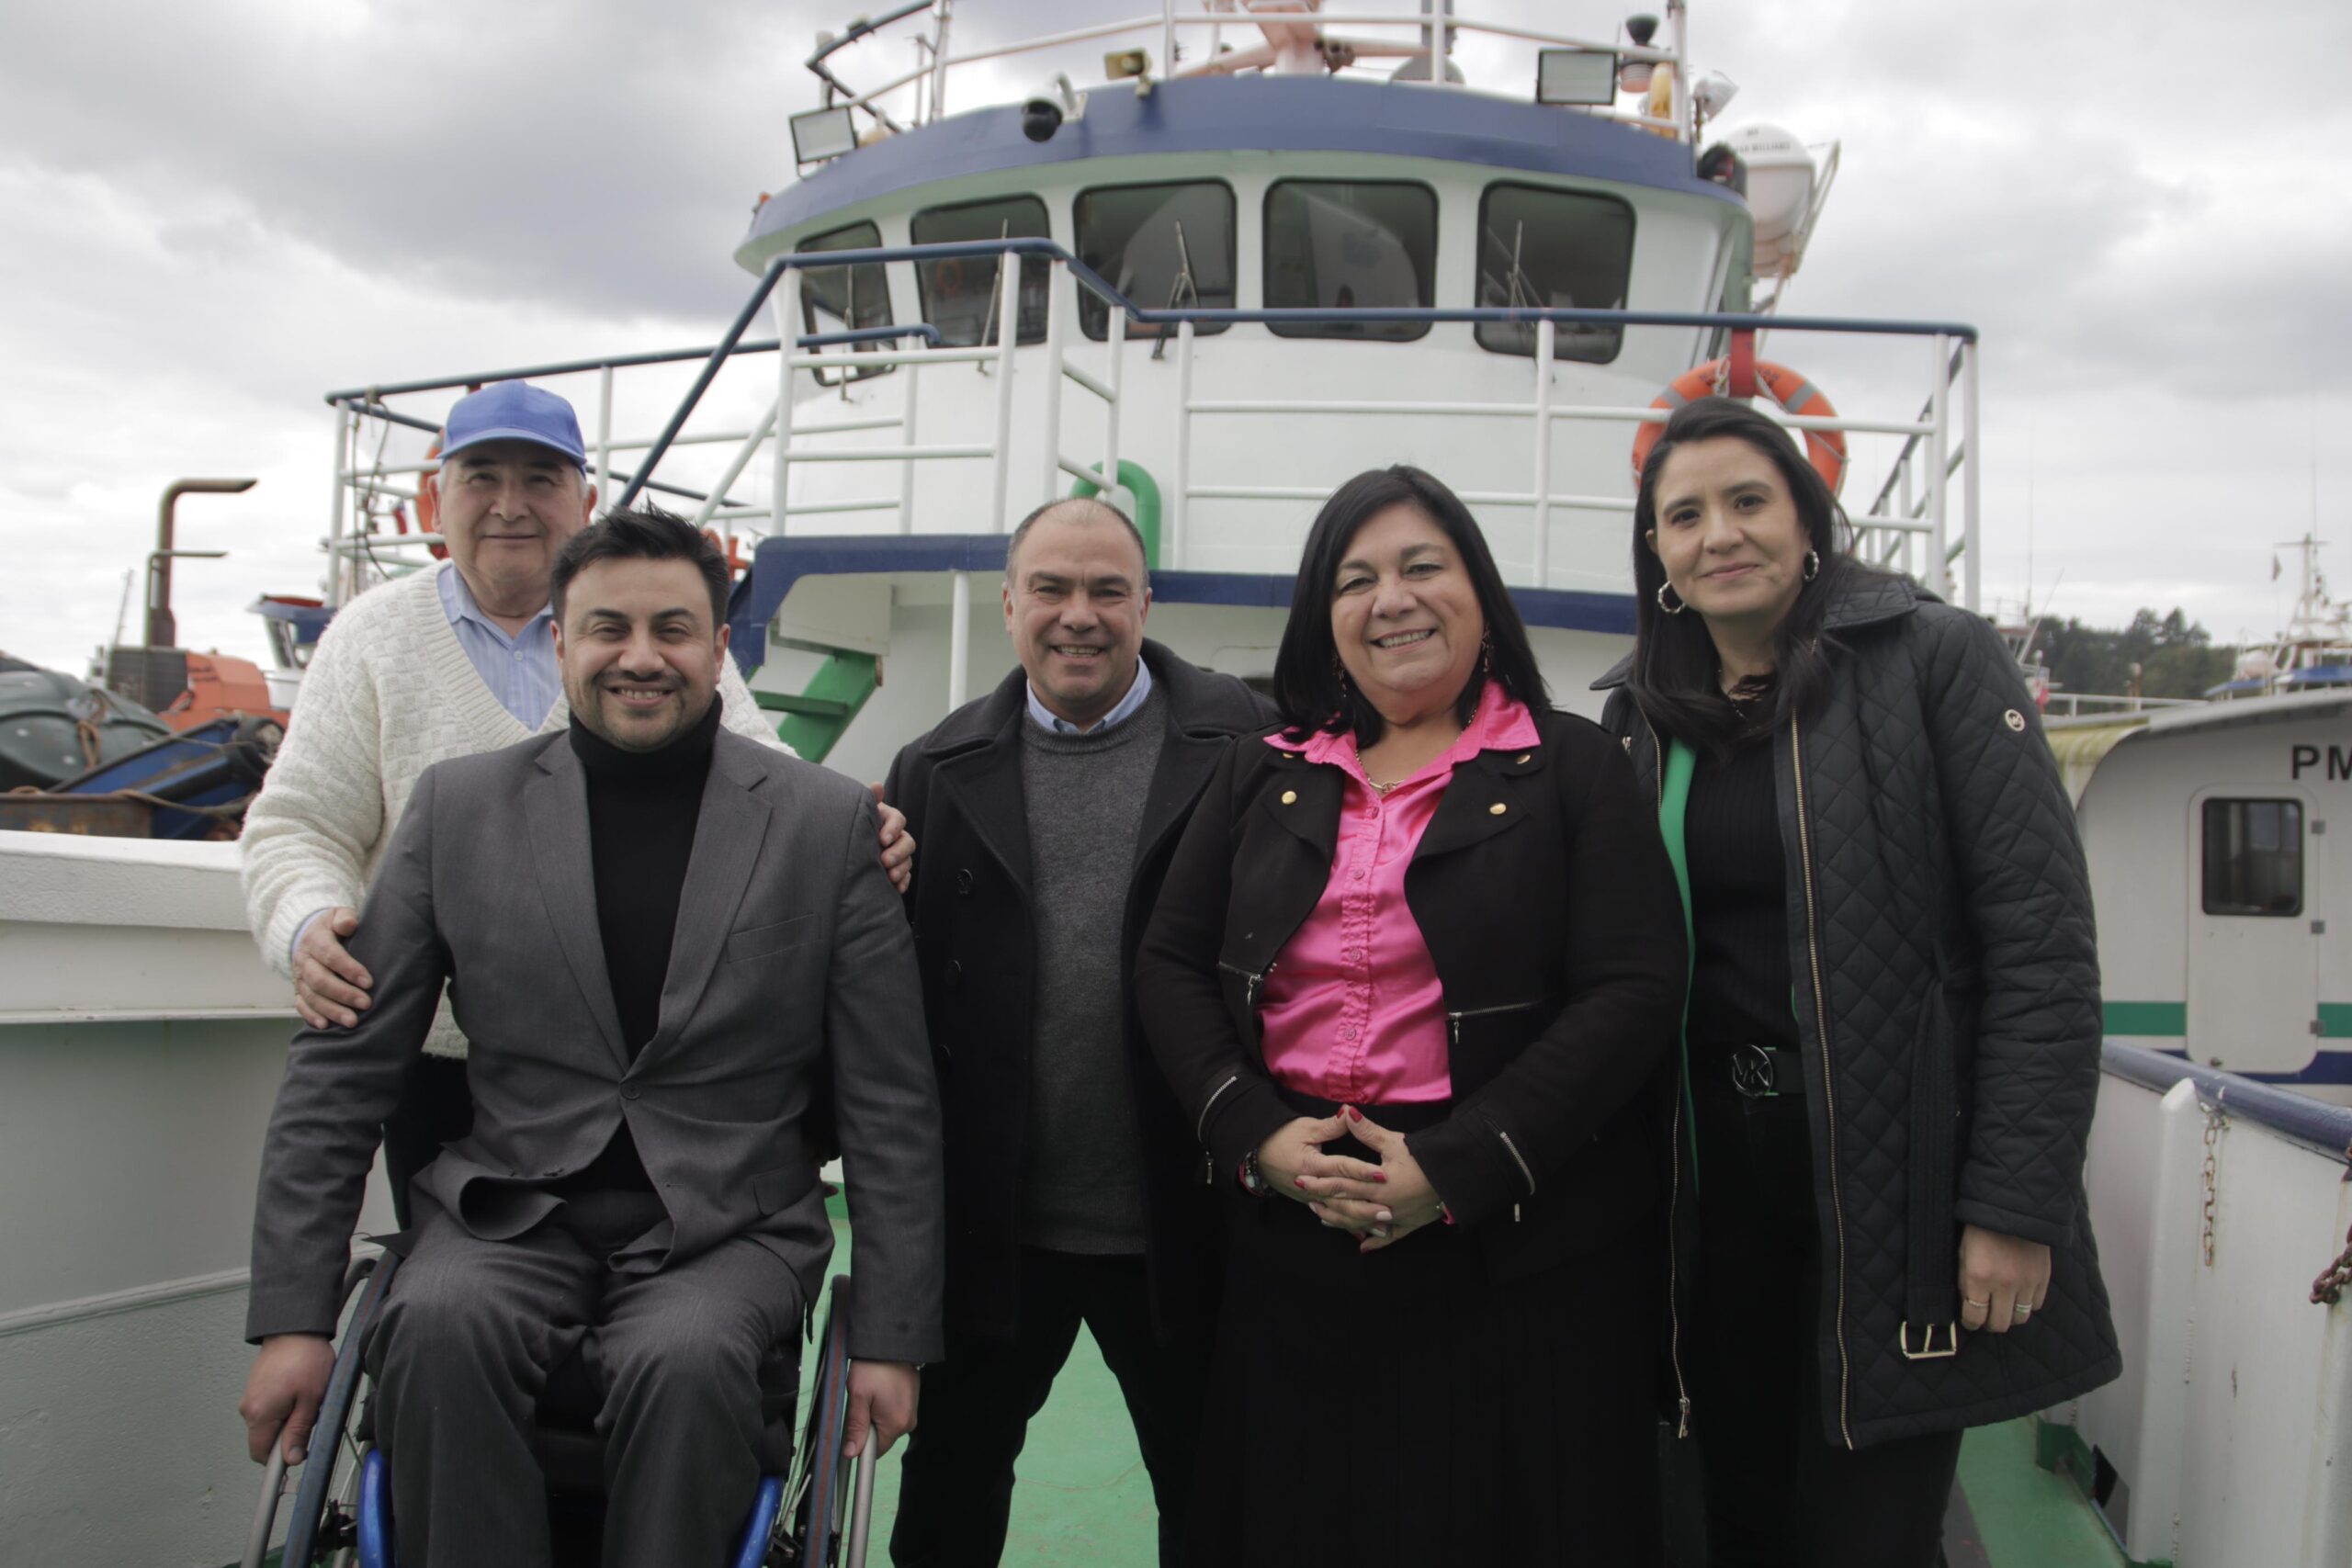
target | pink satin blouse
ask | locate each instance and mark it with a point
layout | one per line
(1351, 1010)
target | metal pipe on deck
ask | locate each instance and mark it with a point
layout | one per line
(1054, 369)
(1007, 334)
(1113, 381)
(346, 420)
(780, 461)
(907, 466)
(1972, 568)
(1938, 450)
(1544, 332)
(605, 432)
(959, 638)
(163, 629)
(1172, 546)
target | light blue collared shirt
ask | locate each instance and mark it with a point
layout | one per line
(520, 670)
(1047, 719)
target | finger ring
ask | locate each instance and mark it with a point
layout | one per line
(1980, 1306)
(2022, 1311)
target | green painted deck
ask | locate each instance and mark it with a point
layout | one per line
(1082, 1495)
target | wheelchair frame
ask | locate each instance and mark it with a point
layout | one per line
(341, 1512)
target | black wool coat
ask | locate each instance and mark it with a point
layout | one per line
(975, 946)
(1948, 1006)
(1543, 891)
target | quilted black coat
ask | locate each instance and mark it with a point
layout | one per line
(1947, 992)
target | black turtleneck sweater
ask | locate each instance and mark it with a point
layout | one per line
(642, 808)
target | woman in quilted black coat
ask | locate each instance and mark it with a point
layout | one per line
(1890, 1051)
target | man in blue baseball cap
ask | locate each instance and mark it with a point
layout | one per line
(442, 663)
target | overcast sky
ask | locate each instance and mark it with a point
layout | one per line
(214, 213)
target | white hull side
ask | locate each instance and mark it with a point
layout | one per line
(129, 1143)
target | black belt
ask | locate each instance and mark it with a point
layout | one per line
(1760, 1072)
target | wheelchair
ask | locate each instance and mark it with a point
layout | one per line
(816, 1513)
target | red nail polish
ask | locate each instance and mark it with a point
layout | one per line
(1299, 1182)
(1380, 1176)
(1353, 1114)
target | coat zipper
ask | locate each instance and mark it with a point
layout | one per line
(1828, 1075)
(1251, 983)
(1454, 1020)
(1673, 1166)
(1516, 1159)
(1201, 1127)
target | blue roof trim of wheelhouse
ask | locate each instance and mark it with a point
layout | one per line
(778, 564)
(1268, 113)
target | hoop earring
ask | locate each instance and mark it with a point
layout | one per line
(1676, 607)
(1812, 565)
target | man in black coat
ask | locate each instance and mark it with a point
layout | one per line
(1047, 811)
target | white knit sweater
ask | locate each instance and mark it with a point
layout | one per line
(388, 693)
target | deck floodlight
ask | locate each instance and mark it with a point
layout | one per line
(1576, 76)
(1712, 93)
(821, 134)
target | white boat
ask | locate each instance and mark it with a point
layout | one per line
(1274, 245)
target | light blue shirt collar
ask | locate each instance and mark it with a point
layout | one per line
(1137, 695)
(458, 603)
(520, 669)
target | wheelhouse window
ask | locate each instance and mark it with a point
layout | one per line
(1163, 246)
(1333, 245)
(839, 299)
(959, 294)
(1541, 248)
(2254, 857)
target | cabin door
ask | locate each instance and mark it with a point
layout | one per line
(2254, 896)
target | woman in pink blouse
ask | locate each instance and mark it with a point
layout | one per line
(1412, 970)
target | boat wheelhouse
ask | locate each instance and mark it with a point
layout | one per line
(1214, 297)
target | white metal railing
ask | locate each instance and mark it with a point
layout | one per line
(1303, 45)
(1927, 534)
(2077, 705)
(2214, 1199)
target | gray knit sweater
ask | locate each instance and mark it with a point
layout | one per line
(1081, 1180)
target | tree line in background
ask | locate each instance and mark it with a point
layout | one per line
(2175, 656)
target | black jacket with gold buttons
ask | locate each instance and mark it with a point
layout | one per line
(1544, 892)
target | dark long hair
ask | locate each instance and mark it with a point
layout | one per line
(1674, 672)
(1306, 667)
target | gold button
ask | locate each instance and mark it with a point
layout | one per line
(2014, 719)
(1290, 797)
(1497, 810)
(1527, 756)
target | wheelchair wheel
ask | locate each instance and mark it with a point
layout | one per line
(817, 1531)
(322, 1525)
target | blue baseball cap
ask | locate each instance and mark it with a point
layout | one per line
(513, 410)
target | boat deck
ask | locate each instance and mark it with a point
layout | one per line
(1083, 1496)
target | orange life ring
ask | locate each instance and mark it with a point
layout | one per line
(947, 277)
(428, 502)
(729, 547)
(1791, 391)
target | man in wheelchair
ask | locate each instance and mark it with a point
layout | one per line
(666, 943)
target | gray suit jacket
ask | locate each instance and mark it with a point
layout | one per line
(791, 952)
